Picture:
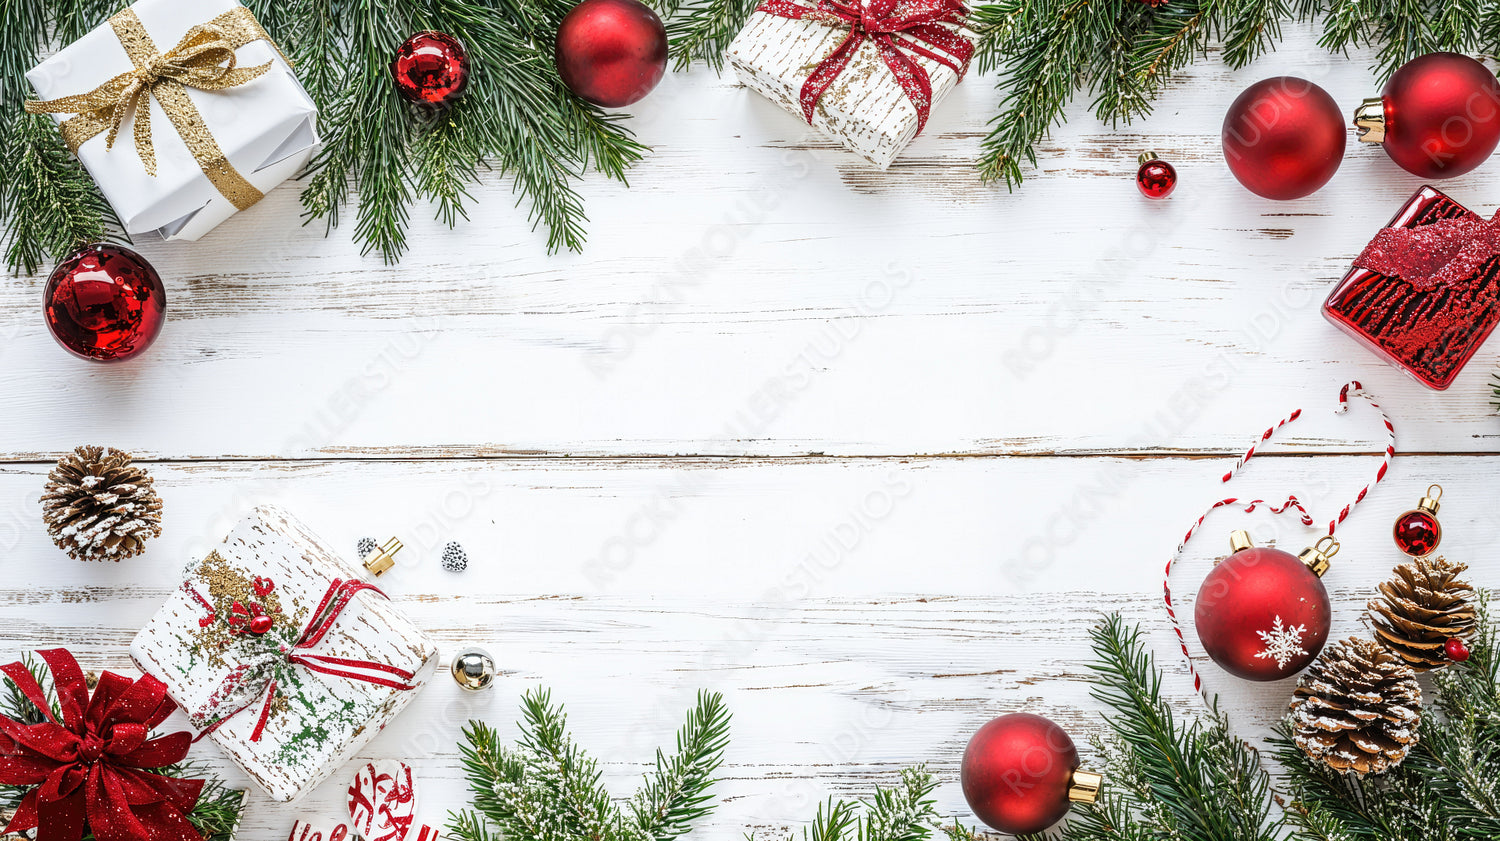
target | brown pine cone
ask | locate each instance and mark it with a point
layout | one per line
(1423, 606)
(1357, 708)
(99, 507)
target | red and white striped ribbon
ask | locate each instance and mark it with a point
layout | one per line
(1291, 503)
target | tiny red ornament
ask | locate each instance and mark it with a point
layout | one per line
(431, 68)
(611, 52)
(1456, 650)
(1263, 614)
(1020, 774)
(1438, 116)
(1418, 532)
(105, 303)
(1156, 179)
(261, 625)
(1284, 138)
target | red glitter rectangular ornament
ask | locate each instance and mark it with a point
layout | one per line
(1425, 293)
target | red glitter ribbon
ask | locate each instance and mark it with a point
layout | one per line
(92, 771)
(339, 596)
(897, 27)
(1442, 253)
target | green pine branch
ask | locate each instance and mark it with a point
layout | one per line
(676, 795)
(48, 200)
(701, 30)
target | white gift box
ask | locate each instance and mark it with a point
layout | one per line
(313, 722)
(865, 109)
(267, 128)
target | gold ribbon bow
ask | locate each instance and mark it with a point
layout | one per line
(203, 59)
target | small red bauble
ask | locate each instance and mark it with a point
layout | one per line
(611, 52)
(1438, 116)
(1263, 614)
(105, 303)
(261, 625)
(431, 68)
(1156, 179)
(1284, 138)
(1418, 532)
(1020, 773)
(1456, 650)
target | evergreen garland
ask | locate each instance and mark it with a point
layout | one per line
(219, 808)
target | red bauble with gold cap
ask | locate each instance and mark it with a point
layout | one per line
(1263, 614)
(1020, 774)
(1438, 116)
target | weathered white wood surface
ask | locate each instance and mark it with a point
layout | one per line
(866, 451)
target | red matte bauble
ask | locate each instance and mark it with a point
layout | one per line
(1156, 179)
(1417, 533)
(611, 52)
(1442, 115)
(1284, 138)
(431, 68)
(1017, 771)
(105, 303)
(1262, 614)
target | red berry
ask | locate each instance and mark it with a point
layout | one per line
(261, 625)
(1456, 650)
(1156, 179)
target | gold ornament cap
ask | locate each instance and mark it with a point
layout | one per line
(1369, 120)
(1429, 503)
(1085, 786)
(1239, 541)
(381, 560)
(1147, 157)
(1318, 555)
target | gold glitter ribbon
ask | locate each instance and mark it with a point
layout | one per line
(203, 59)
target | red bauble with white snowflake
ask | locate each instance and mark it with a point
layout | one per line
(1263, 614)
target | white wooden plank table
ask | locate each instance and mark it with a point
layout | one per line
(867, 452)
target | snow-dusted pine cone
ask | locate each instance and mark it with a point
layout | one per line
(366, 547)
(1423, 606)
(99, 507)
(455, 559)
(1357, 708)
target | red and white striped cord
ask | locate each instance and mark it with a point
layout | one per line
(1291, 503)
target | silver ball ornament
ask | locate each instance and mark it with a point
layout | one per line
(474, 669)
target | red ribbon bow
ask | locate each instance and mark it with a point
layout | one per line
(1442, 253)
(91, 771)
(897, 27)
(339, 596)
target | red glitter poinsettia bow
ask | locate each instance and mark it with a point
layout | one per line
(264, 677)
(1445, 252)
(92, 770)
(897, 27)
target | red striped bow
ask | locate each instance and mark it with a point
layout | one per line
(92, 771)
(897, 27)
(266, 675)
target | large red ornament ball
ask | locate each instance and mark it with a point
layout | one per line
(611, 52)
(105, 303)
(1441, 115)
(1262, 614)
(431, 68)
(1284, 138)
(1017, 771)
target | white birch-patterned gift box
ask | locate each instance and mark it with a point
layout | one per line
(865, 108)
(322, 720)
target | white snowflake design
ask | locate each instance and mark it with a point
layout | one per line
(1283, 644)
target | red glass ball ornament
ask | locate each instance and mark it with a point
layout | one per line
(261, 625)
(1017, 773)
(105, 303)
(611, 52)
(431, 68)
(1262, 614)
(1156, 179)
(1417, 533)
(1438, 116)
(1284, 138)
(1456, 650)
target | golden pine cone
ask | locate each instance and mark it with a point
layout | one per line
(1424, 605)
(1357, 708)
(99, 507)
